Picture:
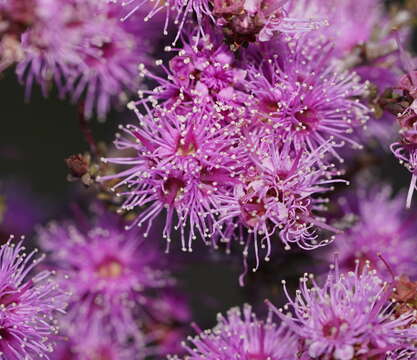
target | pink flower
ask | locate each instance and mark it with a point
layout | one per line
(278, 193)
(180, 164)
(29, 305)
(349, 317)
(85, 50)
(299, 94)
(240, 335)
(109, 272)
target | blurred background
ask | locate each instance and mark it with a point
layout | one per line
(38, 135)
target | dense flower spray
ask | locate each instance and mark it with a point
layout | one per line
(377, 225)
(28, 305)
(237, 104)
(350, 316)
(240, 335)
(237, 143)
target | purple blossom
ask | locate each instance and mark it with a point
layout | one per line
(110, 273)
(279, 193)
(203, 77)
(85, 50)
(299, 94)
(186, 146)
(364, 40)
(28, 305)
(349, 317)
(240, 335)
(181, 164)
(49, 44)
(380, 228)
(109, 51)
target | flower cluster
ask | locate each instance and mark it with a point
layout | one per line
(354, 315)
(80, 46)
(112, 276)
(240, 129)
(299, 94)
(351, 316)
(244, 142)
(28, 305)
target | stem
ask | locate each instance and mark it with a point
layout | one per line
(86, 130)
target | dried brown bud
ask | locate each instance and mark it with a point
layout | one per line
(78, 165)
(405, 290)
(394, 103)
(405, 296)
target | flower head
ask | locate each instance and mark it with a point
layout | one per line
(182, 164)
(299, 94)
(204, 78)
(240, 335)
(380, 227)
(85, 50)
(349, 317)
(109, 271)
(109, 52)
(279, 193)
(28, 305)
(49, 44)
